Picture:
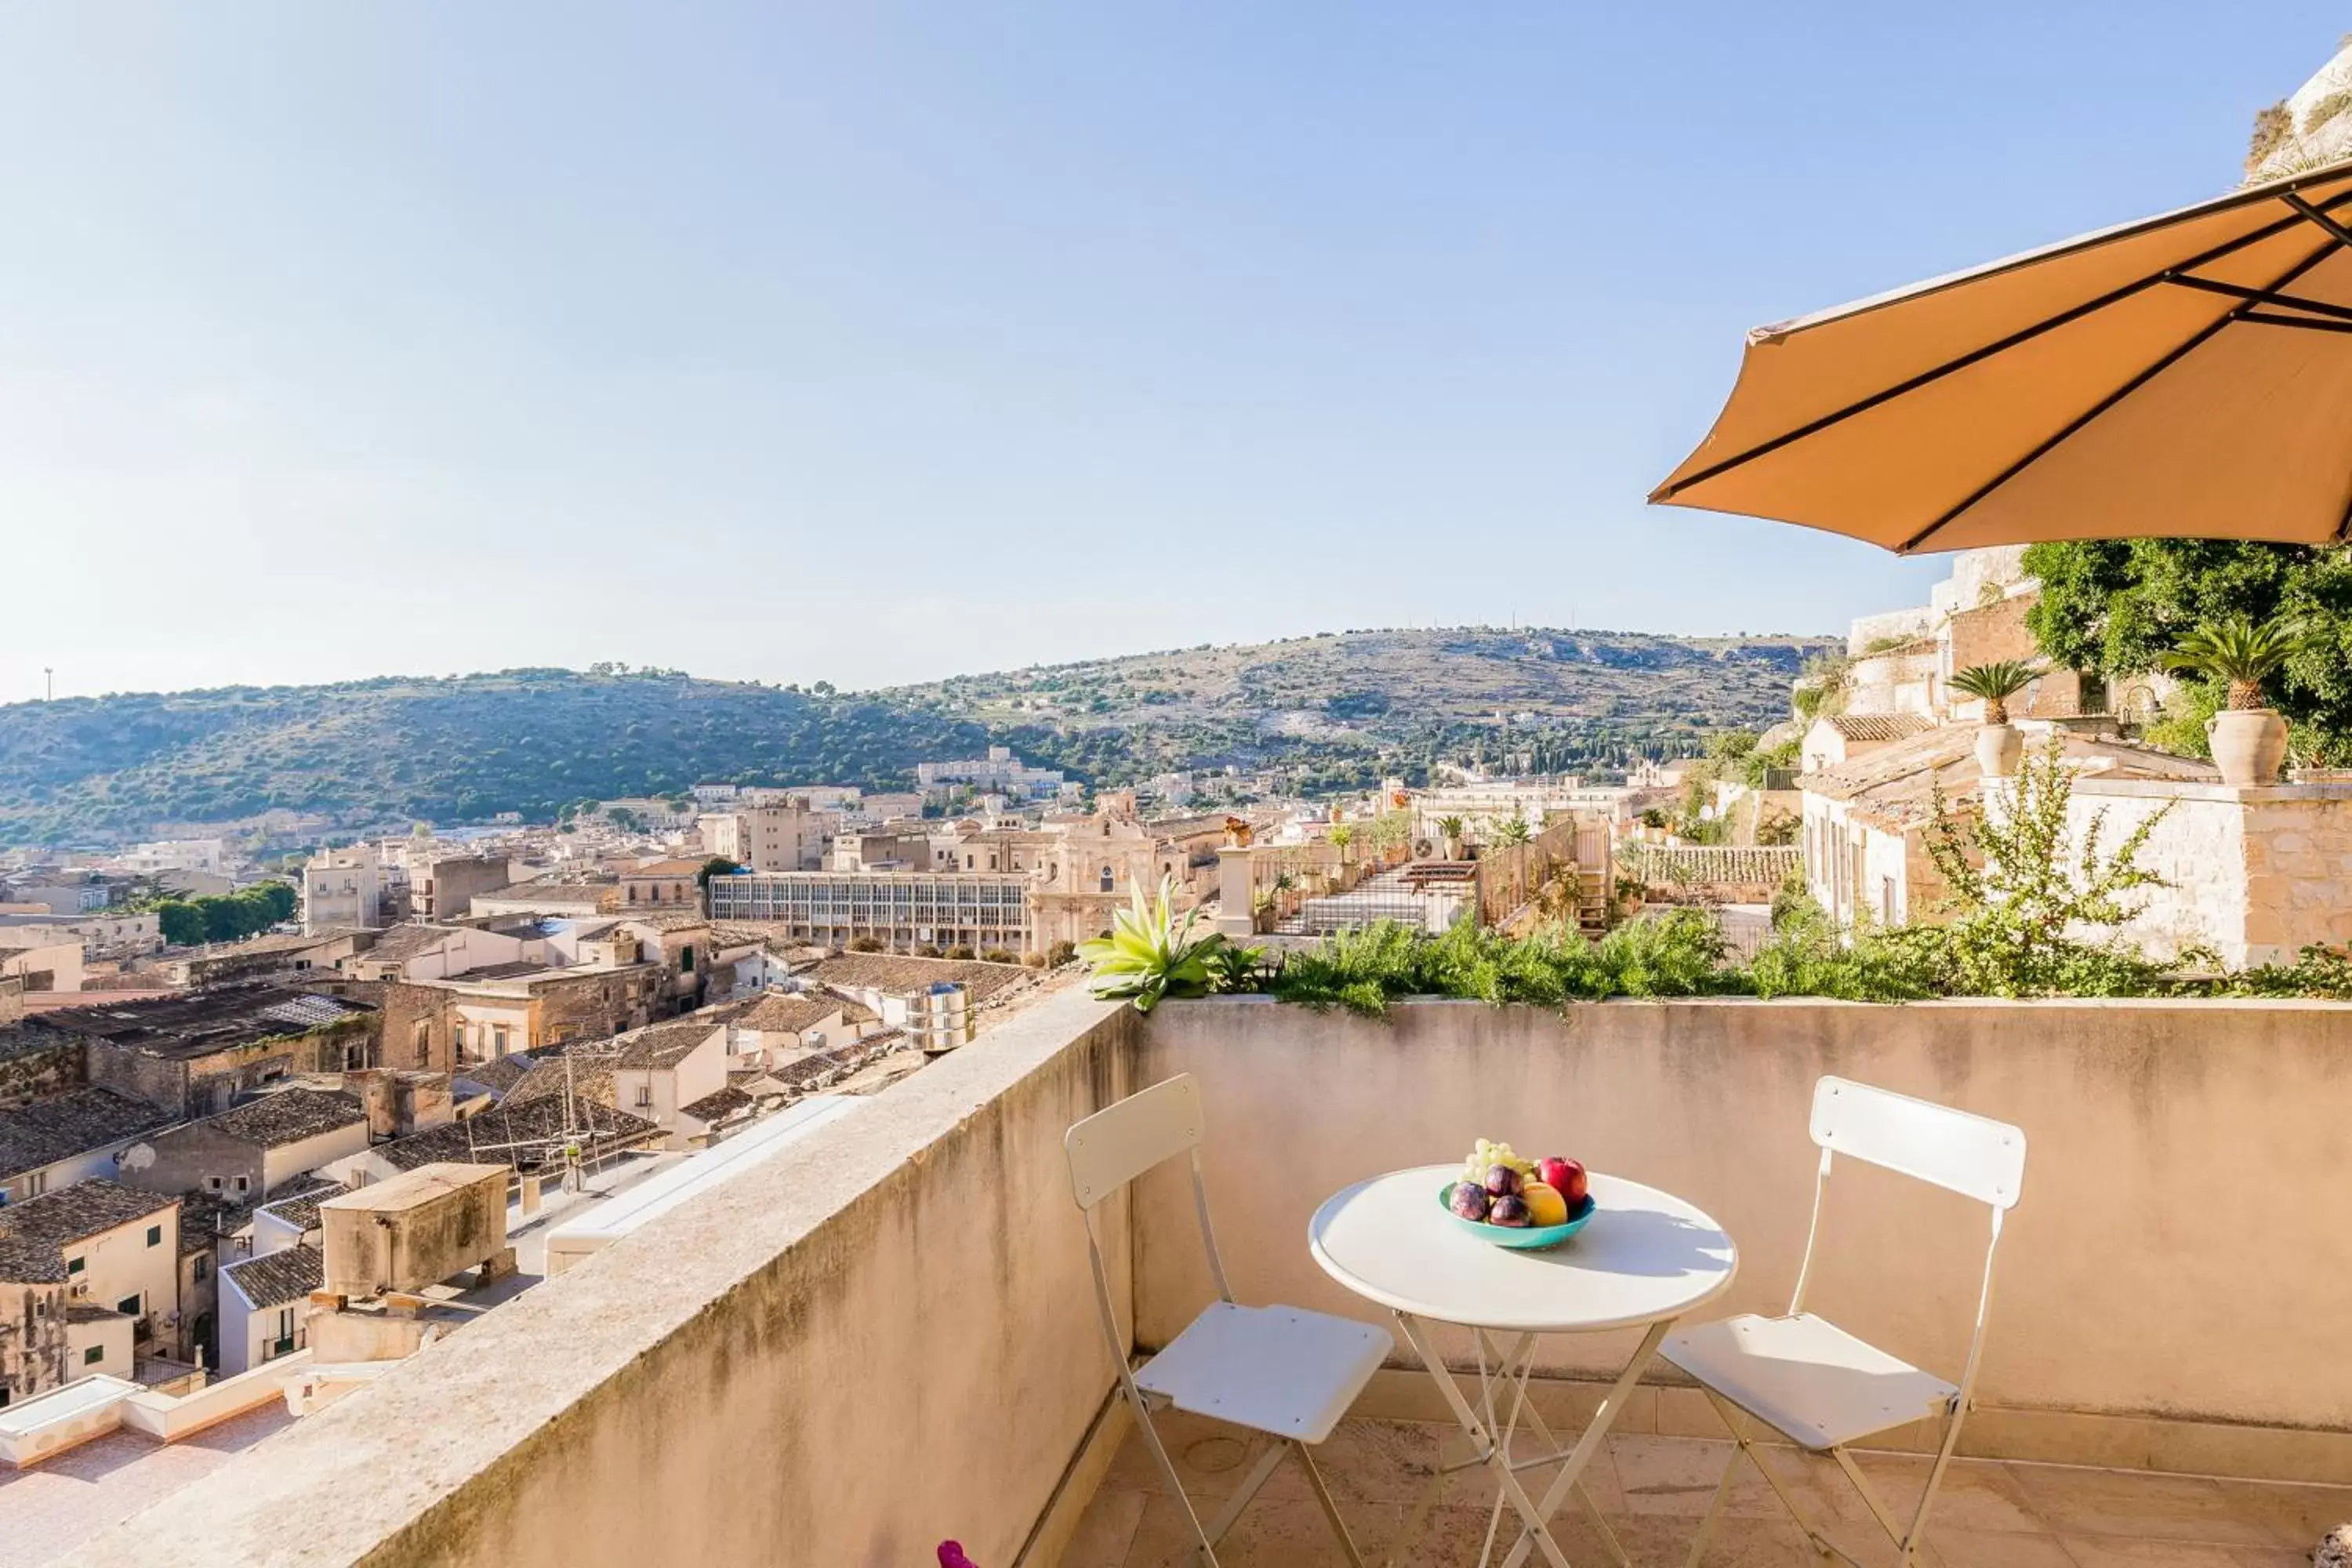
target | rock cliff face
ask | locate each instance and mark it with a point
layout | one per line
(2310, 127)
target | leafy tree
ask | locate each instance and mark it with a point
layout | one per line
(2020, 892)
(182, 923)
(717, 866)
(2120, 607)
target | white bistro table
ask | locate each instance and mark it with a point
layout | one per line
(1645, 1259)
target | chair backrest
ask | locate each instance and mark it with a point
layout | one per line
(1972, 1156)
(1114, 1146)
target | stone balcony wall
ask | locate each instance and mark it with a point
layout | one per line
(2169, 1292)
(885, 1335)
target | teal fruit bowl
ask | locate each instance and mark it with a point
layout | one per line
(1526, 1238)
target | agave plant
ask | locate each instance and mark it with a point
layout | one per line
(1152, 953)
(2238, 654)
(1513, 829)
(1450, 827)
(1996, 683)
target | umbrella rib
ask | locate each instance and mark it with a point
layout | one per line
(2295, 199)
(2261, 296)
(2202, 334)
(2024, 334)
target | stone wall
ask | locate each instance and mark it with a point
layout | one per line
(404, 1006)
(12, 998)
(2255, 875)
(31, 1070)
(880, 1338)
(32, 1339)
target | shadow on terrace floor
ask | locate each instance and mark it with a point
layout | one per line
(1652, 1489)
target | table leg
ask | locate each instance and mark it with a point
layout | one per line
(1521, 1354)
(1596, 1433)
(1534, 1534)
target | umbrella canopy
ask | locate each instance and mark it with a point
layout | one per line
(2189, 374)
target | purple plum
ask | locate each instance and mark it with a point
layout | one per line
(1502, 1180)
(1509, 1211)
(1468, 1199)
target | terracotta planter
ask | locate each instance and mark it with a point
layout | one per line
(1999, 747)
(2249, 745)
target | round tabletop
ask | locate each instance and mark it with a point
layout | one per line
(1646, 1256)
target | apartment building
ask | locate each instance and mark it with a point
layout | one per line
(999, 773)
(775, 836)
(899, 909)
(346, 888)
(115, 1250)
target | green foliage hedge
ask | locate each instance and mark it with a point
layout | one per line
(1682, 953)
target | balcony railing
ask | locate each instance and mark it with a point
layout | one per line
(885, 1336)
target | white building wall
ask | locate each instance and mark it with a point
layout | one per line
(288, 1161)
(122, 1263)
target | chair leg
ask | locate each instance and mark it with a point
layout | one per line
(1737, 1420)
(1207, 1548)
(1259, 1474)
(1330, 1509)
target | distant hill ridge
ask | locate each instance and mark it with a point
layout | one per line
(464, 748)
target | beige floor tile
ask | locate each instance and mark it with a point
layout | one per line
(1657, 1540)
(2295, 1515)
(1211, 1457)
(1453, 1537)
(1678, 1476)
(1280, 1534)
(2115, 1552)
(2137, 1505)
(1105, 1530)
(1959, 1548)
(1474, 1489)
(1976, 1494)
(1365, 1461)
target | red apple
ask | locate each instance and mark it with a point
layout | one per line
(1565, 1177)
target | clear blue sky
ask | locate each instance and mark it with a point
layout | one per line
(873, 342)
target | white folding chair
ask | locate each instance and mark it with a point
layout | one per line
(1809, 1379)
(1277, 1369)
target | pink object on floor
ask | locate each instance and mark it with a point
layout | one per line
(952, 1555)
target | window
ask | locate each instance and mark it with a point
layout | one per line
(73, 1265)
(243, 1182)
(458, 1034)
(1105, 879)
(93, 1356)
(36, 1184)
(213, 1183)
(202, 1270)
(154, 1236)
(132, 1306)
(499, 1039)
(645, 1095)
(686, 960)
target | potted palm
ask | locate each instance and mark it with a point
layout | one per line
(2247, 738)
(1450, 829)
(1999, 745)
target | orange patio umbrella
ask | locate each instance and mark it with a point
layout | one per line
(2189, 374)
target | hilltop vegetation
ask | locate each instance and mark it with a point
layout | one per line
(1344, 708)
(447, 751)
(1356, 704)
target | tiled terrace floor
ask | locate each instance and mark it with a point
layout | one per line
(1652, 1489)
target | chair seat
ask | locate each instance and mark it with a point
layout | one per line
(1808, 1377)
(1272, 1369)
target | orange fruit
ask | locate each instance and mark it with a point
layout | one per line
(1545, 1205)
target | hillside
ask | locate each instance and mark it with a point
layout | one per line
(1346, 706)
